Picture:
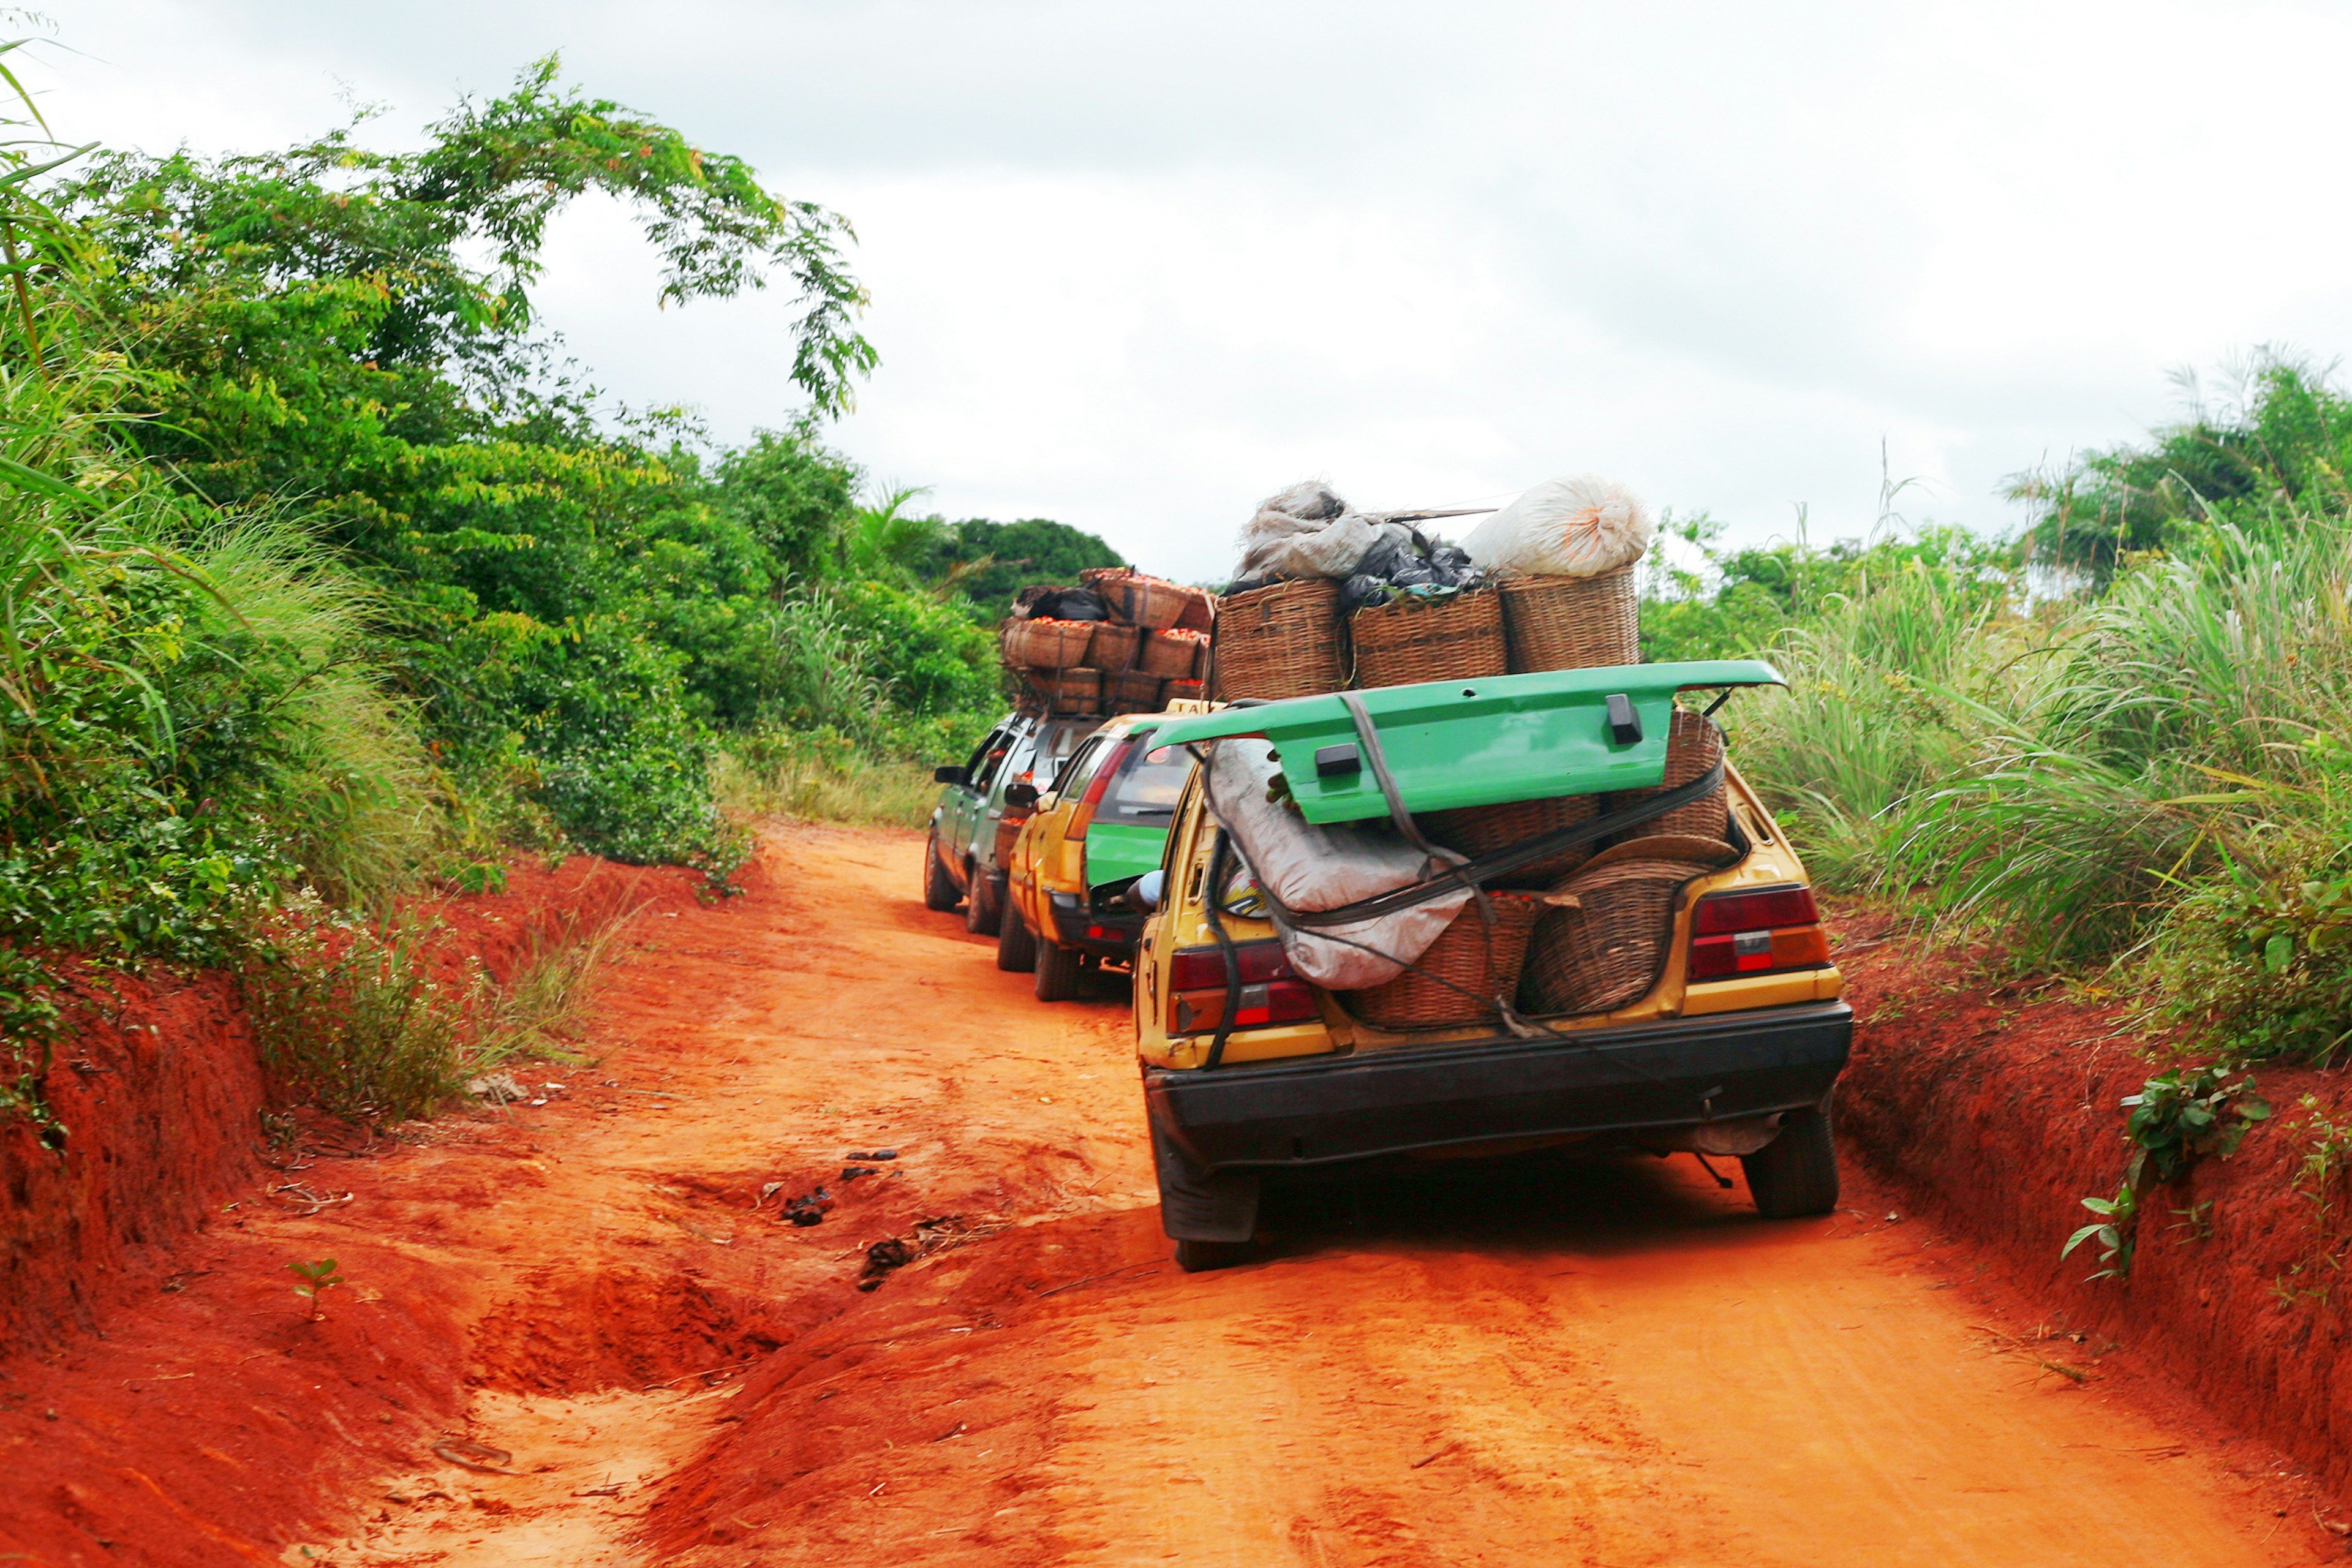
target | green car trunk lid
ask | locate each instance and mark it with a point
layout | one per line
(1481, 741)
(1120, 852)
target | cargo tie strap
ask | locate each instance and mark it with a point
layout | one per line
(1517, 1024)
(1472, 874)
(1368, 736)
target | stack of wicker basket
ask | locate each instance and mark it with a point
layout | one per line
(1586, 931)
(1150, 650)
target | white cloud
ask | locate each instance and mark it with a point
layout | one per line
(1135, 266)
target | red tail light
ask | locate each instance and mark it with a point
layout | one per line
(1762, 931)
(1749, 910)
(1271, 992)
(1198, 968)
(1083, 817)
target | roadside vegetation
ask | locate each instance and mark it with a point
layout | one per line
(2118, 743)
(328, 581)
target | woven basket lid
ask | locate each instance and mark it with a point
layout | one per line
(1676, 856)
(1699, 851)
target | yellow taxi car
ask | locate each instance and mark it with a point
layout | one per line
(1102, 825)
(1250, 1070)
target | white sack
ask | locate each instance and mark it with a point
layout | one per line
(1312, 867)
(1308, 531)
(1578, 526)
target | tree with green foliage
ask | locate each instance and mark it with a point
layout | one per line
(317, 340)
(1002, 558)
(2280, 449)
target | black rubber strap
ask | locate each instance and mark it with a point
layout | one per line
(1472, 874)
(1211, 908)
(1368, 736)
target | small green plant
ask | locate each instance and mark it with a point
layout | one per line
(2118, 1218)
(2180, 1115)
(313, 1280)
(2176, 1118)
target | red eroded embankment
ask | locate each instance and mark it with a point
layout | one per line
(1998, 1112)
(159, 1085)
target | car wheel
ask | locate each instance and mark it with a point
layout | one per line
(1057, 973)
(1796, 1174)
(1016, 949)
(984, 906)
(1199, 1257)
(939, 888)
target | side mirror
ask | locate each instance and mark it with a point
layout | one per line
(953, 774)
(1021, 797)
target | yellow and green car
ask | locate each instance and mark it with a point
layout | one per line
(1250, 1070)
(1101, 826)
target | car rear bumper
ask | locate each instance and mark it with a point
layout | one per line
(1319, 1110)
(1110, 934)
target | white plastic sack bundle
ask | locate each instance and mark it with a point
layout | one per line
(1578, 526)
(1313, 868)
(1308, 531)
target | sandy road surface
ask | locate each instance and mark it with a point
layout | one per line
(1542, 1363)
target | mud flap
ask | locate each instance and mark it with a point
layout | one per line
(1198, 1207)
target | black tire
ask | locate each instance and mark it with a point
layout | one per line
(938, 889)
(1795, 1174)
(1057, 971)
(1199, 1257)
(1016, 949)
(984, 906)
(1210, 1218)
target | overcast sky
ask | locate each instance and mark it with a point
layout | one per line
(1135, 266)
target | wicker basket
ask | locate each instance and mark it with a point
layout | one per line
(1484, 964)
(1571, 623)
(1174, 654)
(1131, 691)
(1693, 745)
(1151, 602)
(1048, 643)
(1478, 830)
(1284, 640)
(1113, 645)
(1603, 942)
(1182, 692)
(1068, 693)
(1008, 828)
(1412, 640)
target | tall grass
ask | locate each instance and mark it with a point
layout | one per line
(350, 783)
(1883, 682)
(2166, 731)
(825, 778)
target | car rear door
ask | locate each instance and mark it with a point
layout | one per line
(962, 807)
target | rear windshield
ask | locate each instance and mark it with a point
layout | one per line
(1056, 740)
(1147, 785)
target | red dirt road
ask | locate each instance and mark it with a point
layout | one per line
(1539, 1362)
